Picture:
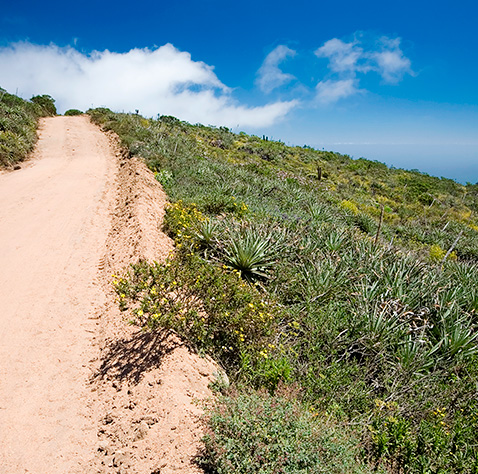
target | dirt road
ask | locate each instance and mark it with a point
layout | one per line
(53, 225)
(81, 390)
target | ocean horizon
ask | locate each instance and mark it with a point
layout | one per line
(457, 162)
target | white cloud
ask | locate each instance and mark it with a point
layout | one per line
(163, 80)
(363, 55)
(343, 57)
(331, 91)
(390, 61)
(269, 76)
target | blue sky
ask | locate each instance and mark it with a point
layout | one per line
(392, 81)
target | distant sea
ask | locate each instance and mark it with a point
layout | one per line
(458, 162)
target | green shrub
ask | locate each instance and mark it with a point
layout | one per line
(263, 434)
(13, 147)
(46, 103)
(71, 112)
(436, 254)
(437, 445)
(210, 306)
(165, 177)
(18, 124)
(349, 206)
(181, 220)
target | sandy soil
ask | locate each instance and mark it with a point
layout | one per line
(81, 391)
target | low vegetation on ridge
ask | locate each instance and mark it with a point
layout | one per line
(333, 287)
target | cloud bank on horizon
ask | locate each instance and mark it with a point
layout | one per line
(164, 80)
(167, 81)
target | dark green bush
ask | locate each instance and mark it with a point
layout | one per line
(46, 103)
(18, 124)
(70, 112)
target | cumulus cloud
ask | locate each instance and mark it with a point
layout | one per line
(162, 80)
(390, 61)
(331, 91)
(343, 57)
(348, 60)
(270, 76)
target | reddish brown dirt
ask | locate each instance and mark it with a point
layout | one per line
(81, 391)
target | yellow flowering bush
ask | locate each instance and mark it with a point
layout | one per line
(437, 254)
(209, 305)
(349, 206)
(181, 219)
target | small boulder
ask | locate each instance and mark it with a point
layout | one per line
(141, 431)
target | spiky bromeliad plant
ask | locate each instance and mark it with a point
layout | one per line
(206, 232)
(251, 253)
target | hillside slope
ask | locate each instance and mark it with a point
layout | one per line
(420, 211)
(352, 281)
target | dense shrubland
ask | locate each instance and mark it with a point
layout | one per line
(18, 124)
(352, 297)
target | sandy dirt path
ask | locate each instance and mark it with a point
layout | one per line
(54, 223)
